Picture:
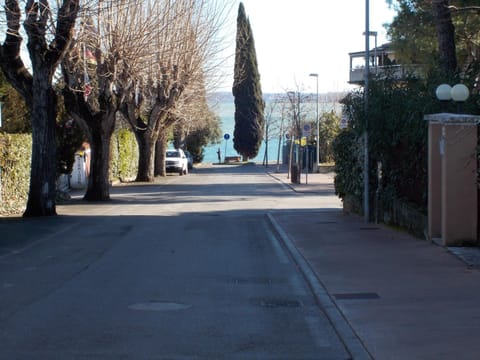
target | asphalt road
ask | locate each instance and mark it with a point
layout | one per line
(187, 268)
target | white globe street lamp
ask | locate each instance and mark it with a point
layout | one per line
(444, 92)
(458, 93)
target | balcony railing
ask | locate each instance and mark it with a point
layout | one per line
(396, 72)
(383, 64)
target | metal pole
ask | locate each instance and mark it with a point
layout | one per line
(225, 154)
(366, 208)
(306, 172)
(318, 134)
(300, 157)
(291, 156)
(318, 128)
(279, 145)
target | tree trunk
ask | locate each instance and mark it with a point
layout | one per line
(445, 35)
(41, 197)
(146, 156)
(99, 128)
(100, 135)
(48, 36)
(160, 149)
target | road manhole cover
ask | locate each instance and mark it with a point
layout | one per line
(159, 306)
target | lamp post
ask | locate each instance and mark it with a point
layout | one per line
(315, 75)
(293, 136)
(366, 193)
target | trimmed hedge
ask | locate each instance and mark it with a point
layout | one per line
(123, 156)
(15, 157)
(397, 141)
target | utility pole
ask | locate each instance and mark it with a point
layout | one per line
(366, 208)
(317, 123)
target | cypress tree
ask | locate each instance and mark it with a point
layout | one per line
(249, 104)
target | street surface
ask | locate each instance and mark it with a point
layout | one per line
(186, 268)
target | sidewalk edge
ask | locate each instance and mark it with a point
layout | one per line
(342, 327)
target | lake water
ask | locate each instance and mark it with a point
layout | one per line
(226, 112)
(224, 107)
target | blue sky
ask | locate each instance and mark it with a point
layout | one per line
(296, 38)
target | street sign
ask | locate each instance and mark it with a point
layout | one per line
(226, 136)
(306, 130)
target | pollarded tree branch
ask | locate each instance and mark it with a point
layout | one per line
(10, 60)
(67, 15)
(38, 15)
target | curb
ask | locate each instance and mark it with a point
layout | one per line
(298, 188)
(342, 327)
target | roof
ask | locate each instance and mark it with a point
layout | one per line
(384, 48)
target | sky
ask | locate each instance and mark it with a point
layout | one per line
(296, 38)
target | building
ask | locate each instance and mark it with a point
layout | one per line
(382, 62)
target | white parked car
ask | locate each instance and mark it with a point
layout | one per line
(176, 161)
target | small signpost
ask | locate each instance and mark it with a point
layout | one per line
(226, 136)
(307, 129)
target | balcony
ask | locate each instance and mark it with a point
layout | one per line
(382, 63)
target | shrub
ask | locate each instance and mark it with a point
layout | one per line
(123, 156)
(397, 140)
(348, 164)
(15, 157)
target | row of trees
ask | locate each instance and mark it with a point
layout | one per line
(147, 60)
(286, 114)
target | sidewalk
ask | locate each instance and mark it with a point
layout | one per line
(321, 182)
(401, 297)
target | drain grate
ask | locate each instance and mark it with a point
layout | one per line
(369, 228)
(254, 281)
(357, 296)
(159, 306)
(272, 303)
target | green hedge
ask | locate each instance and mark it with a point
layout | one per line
(15, 157)
(397, 144)
(123, 156)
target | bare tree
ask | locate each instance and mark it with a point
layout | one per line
(197, 125)
(190, 110)
(99, 73)
(297, 100)
(184, 43)
(277, 114)
(48, 29)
